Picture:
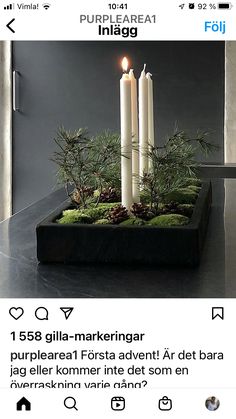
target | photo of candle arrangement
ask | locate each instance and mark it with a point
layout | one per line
(126, 191)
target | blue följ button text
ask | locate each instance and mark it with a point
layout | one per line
(215, 26)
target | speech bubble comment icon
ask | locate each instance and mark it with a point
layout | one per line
(41, 313)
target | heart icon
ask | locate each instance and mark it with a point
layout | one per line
(16, 312)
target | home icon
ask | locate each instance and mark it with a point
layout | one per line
(23, 404)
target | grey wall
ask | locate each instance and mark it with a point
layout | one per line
(77, 84)
(230, 103)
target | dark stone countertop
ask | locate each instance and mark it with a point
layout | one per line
(22, 276)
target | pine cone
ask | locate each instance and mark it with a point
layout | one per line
(77, 193)
(110, 195)
(140, 211)
(118, 214)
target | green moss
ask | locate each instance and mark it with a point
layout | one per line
(133, 222)
(74, 216)
(182, 196)
(98, 212)
(183, 209)
(85, 216)
(102, 221)
(169, 220)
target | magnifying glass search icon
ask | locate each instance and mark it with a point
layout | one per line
(70, 403)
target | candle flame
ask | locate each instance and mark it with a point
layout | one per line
(125, 64)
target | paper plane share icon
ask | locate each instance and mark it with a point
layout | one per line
(67, 311)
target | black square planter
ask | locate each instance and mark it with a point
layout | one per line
(83, 243)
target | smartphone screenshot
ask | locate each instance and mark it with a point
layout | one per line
(117, 209)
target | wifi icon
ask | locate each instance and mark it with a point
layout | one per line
(46, 6)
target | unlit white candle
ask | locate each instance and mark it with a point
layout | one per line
(143, 123)
(151, 138)
(126, 141)
(135, 152)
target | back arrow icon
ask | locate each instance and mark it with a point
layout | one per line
(9, 25)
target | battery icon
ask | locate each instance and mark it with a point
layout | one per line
(225, 5)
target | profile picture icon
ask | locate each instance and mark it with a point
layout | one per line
(212, 403)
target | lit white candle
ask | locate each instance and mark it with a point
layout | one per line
(150, 113)
(135, 152)
(143, 122)
(126, 137)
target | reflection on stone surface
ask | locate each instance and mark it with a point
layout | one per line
(22, 276)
